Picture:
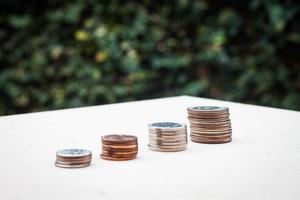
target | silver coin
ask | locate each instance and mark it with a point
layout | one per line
(208, 108)
(167, 136)
(168, 147)
(160, 143)
(196, 121)
(210, 128)
(201, 122)
(211, 125)
(73, 152)
(219, 118)
(166, 126)
(211, 135)
(163, 134)
(72, 165)
(208, 131)
(168, 140)
(167, 131)
(212, 141)
(208, 114)
(166, 150)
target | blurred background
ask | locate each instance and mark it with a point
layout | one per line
(60, 54)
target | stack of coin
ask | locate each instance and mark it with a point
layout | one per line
(167, 137)
(73, 158)
(119, 147)
(210, 124)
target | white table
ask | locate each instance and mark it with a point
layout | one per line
(262, 162)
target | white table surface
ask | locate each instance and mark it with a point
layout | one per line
(262, 161)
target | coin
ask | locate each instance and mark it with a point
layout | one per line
(167, 144)
(73, 153)
(72, 165)
(210, 141)
(119, 139)
(223, 126)
(73, 158)
(209, 124)
(214, 132)
(119, 147)
(118, 153)
(166, 126)
(174, 149)
(180, 139)
(119, 150)
(207, 118)
(117, 158)
(167, 132)
(208, 109)
(167, 136)
(211, 135)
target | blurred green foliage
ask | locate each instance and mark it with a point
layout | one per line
(60, 53)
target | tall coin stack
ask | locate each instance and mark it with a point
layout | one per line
(73, 158)
(210, 124)
(119, 147)
(167, 137)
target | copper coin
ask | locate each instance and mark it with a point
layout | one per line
(120, 146)
(73, 160)
(119, 139)
(120, 149)
(119, 153)
(119, 156)
(117, 159)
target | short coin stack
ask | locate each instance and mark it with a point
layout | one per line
(209, 124)
(73, 158)
(119, 147)
(167, 137)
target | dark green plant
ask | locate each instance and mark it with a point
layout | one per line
(60, 54)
